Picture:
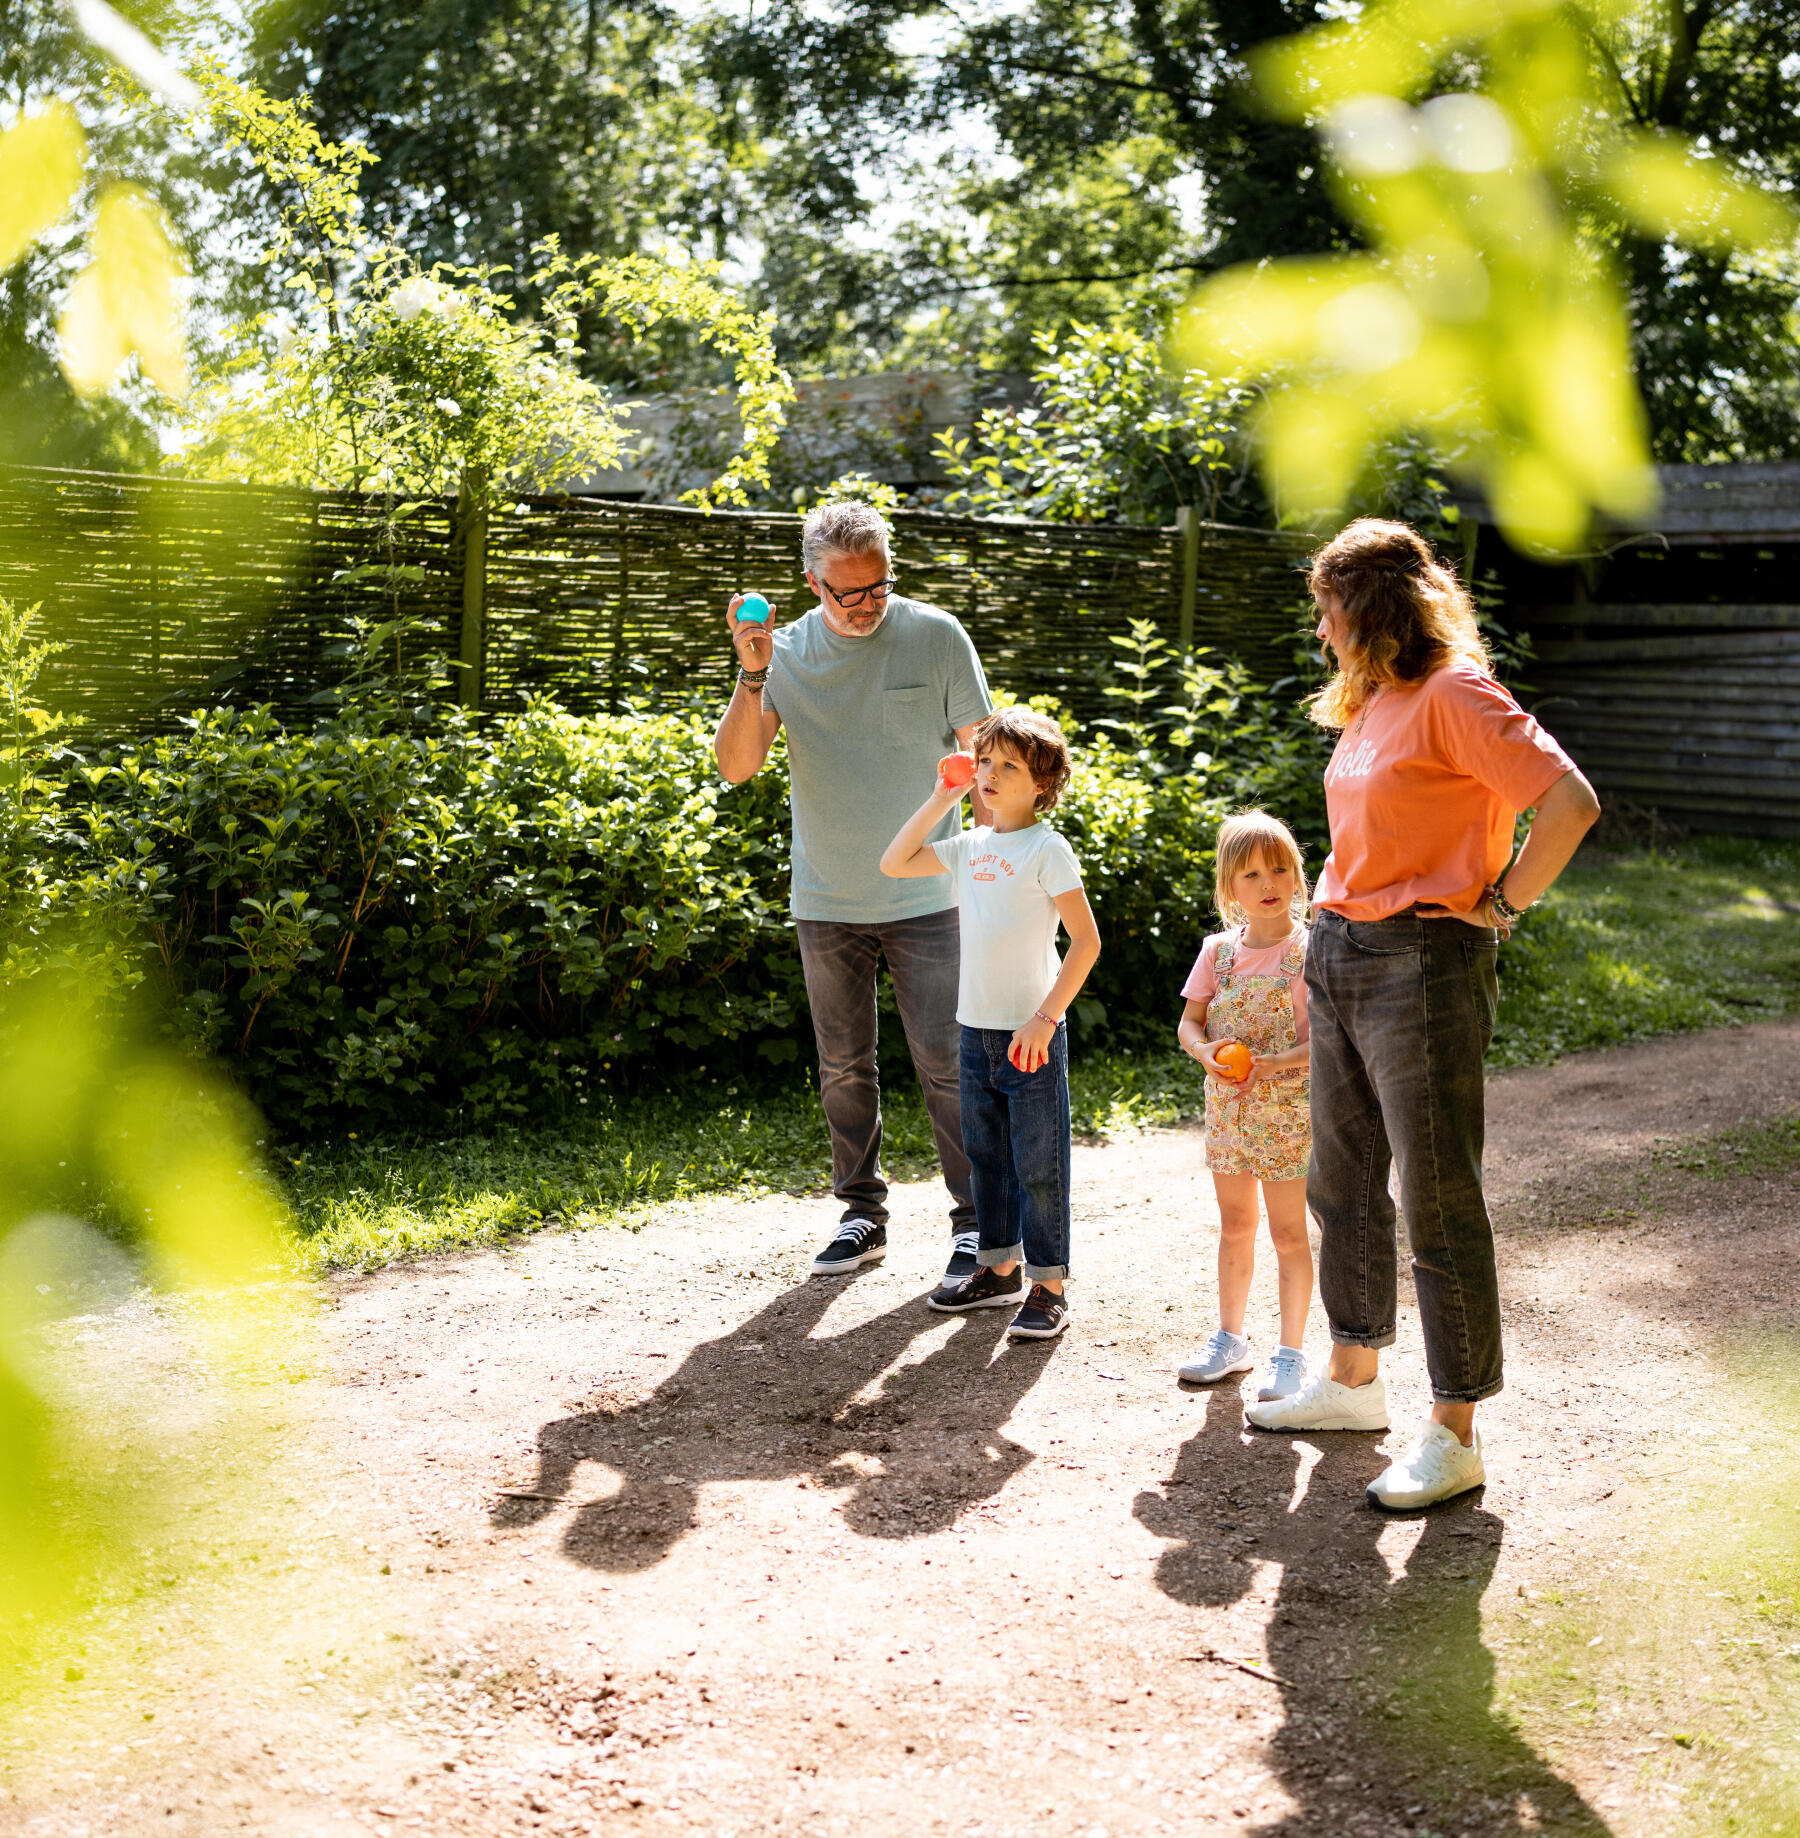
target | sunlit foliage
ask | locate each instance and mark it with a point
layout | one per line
(1486, 311)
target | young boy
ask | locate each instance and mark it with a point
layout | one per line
(1014, 881)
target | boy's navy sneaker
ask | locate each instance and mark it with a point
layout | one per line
(982, 1290)
(963, 1263)
(1043, 1317)
(858, 1242)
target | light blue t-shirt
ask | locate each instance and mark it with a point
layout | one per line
(867, 721)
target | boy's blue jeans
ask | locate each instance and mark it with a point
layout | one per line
(1015, 1127)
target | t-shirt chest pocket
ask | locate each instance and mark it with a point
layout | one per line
(912, 714)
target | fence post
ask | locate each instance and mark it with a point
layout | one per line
(1187, 521)
(615, 660)
(471, 527)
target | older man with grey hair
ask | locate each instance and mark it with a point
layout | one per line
(873, 690)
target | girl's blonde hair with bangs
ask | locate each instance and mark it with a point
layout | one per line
(1405, 614)
(1241, 839)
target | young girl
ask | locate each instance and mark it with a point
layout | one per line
(1248, 985)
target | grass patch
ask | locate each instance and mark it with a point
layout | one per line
(364, 1202)
(1626, 947)
(1631, 946)
(1676, 1639)
(1769, 1147)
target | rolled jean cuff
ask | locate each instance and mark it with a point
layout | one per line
(1343, 1337)
(1473, 1395)
(989, 1255)
(1046, 1273)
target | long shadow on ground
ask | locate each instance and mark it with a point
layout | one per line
(1387, 1687)
(768, 1401)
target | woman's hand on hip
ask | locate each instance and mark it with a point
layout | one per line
(1485, 913)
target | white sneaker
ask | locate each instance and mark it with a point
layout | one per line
(1323, 1404)
(1435, 1467)
(1285, 1376)
(1223, 1355)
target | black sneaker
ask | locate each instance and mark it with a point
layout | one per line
(858, 1242)
(982, 1290)
(1043, 1317)
(963, 1247)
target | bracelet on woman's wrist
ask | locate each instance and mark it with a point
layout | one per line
(1503, 906)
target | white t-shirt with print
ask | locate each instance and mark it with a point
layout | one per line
(1007, 883)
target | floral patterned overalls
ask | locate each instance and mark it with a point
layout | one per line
(1268, 1132)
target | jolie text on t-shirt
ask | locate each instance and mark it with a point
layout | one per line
(1422, 790)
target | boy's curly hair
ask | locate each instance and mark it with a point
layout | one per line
(1037, 741)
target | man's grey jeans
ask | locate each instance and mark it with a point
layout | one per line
(923, 957)
(1401, 1012)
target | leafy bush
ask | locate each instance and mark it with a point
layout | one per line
(427, 920)
(1113, 437)
(404, 915)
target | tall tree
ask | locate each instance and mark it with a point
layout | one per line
(1717, 350)
(496, 123)
(1074, 125)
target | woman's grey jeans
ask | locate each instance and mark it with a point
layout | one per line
(923, 957)
(1401, 1012)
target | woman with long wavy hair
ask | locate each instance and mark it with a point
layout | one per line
(1433, 763)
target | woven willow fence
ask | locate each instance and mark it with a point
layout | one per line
(170, 594)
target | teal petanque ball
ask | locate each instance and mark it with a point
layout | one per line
(754, 610)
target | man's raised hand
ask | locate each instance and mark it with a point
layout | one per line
(750, 639)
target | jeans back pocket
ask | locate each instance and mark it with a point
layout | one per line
(1384, 937)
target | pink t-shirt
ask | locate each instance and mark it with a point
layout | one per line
(1203, 980)
(1422, 791)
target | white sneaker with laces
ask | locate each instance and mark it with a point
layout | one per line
(963, 1260)
(1285, 1376)
(1323, 1404)
(1434, 1467)
(1222, 1355)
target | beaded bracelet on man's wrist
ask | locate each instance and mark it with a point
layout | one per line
(753, 679)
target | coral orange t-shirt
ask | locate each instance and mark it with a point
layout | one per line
(1422, 791)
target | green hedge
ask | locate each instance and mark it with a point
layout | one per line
(413, 919)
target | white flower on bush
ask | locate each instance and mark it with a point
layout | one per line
(447, 405)
(422, 295)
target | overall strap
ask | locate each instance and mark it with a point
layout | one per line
(1222, 957)
(1295, 959)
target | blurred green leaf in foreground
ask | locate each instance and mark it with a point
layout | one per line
(98, 1127)
(1487, 152)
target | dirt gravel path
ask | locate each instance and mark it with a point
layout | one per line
(647, 1532)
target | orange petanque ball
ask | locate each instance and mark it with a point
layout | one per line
(956, 769)
(1234, 1061)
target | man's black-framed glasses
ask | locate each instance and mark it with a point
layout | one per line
(857, 596)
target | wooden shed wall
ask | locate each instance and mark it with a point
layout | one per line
(1696, 717)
